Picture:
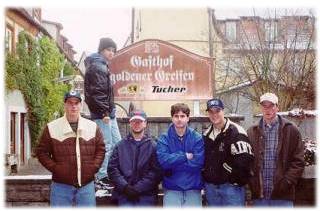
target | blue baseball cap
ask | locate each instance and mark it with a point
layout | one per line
(215, 103)
(138, 114)
(70, 94)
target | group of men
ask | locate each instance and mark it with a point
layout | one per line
(223, 161)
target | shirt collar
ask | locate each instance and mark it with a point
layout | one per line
(274, 122)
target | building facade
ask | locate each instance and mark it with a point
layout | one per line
(231, 42)
(18, 144)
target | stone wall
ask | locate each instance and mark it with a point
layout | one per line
(158, 125)
(35, 192)
(27, 191)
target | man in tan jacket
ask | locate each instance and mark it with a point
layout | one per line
(72, 148)
(279, 161)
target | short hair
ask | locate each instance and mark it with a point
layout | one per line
(180, 107)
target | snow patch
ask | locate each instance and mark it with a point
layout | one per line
(24, 177)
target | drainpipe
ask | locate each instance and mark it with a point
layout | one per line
(210, 40)
(210, 43)
(132, 24)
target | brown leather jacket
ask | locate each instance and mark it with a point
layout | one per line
(73, 161)
(289, 165)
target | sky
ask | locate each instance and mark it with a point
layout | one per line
(83, 27)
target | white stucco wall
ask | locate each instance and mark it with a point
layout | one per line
(14, 102)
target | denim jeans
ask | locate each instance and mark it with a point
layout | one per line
(272, 203)
(144, 201)
(224, 195)
(62, 195)
(111, 136)
(189, 198)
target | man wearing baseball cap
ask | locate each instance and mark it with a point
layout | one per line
(277, 171)
(72, 148)
(228, 159)
(133, 166)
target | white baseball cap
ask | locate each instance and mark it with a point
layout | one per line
(269, 97)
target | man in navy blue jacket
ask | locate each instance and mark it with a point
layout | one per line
(99, 97)
(181, 155)
(133, 167)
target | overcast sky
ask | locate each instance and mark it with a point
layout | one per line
(84, 27)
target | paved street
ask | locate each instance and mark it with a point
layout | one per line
(33, 168)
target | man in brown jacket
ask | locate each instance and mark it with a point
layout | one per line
(279, 160)
(72, 148)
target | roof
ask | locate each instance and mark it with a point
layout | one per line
(297, 113)
(236, 87)
(59, 25)
(26, 15)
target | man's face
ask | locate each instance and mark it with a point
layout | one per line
(269, 110)
(180, 120)
(137, 125)
(108, 53)
(216, 116)
(72, 106)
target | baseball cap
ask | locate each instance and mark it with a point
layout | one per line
(70, 94)
(269, 97)
(215, 103)
(138, 114)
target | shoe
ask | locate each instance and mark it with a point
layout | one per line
(103, 193)
(103, 184)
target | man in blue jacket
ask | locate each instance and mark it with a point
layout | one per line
(133, 167)
(99, 98)
(181, 155)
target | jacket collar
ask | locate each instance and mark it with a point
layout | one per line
(209, 131)
(66, 125)
(282, 123)
(173, 133)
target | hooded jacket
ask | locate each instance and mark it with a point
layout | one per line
(97, 87)
(135, 163)
(181, 174)
(289, 165)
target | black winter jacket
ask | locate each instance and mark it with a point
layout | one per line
(97, 87)
(228, 157)
(135, 163)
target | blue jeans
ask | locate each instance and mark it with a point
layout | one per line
(62, 195)
(272, 203)
(189, 198)
(144, 201)
(111, 136)
(224, 195)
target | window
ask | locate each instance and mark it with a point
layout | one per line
(13, 116)
(22, 140)
(271, 31)
(9, 39)
(231, 31)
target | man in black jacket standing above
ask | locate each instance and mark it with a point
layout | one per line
(228, 159)
(133, 166)
(99, 98)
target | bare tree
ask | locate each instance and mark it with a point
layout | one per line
(274, 54)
